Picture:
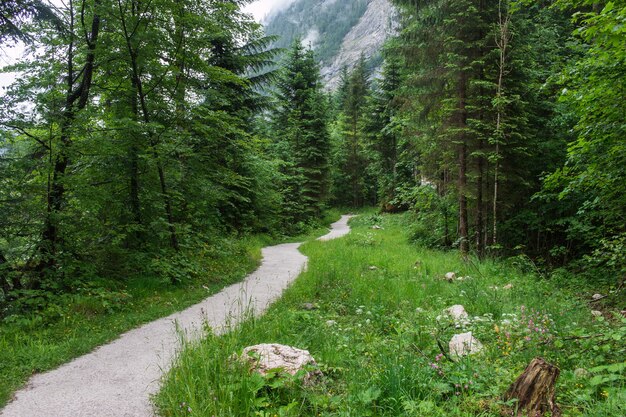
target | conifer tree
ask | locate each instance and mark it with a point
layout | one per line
(351, 183)
(302, 134)
(382, 127)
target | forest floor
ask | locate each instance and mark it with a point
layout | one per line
(380, 337)
(118, 379)
(36, 343)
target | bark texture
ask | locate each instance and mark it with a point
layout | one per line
(534, 390)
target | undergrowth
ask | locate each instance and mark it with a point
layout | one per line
(376, 334)
(45, 330)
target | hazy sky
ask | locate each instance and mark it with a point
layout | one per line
(261, 8)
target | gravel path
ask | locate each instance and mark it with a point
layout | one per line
(117, 379)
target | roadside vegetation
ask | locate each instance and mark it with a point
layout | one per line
(377, 327)
(64, 327)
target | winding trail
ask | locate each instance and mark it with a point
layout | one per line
(118, 379)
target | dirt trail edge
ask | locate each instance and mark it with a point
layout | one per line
(117, 379)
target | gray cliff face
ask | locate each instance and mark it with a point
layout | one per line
(367, 38)
(339, 31)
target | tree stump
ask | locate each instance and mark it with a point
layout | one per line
(534, 390)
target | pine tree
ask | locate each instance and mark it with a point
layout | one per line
(301, 130)
(382, 128)
(351, 183)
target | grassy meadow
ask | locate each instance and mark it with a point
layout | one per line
(378, 327)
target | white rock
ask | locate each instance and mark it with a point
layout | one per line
(596, 313)
(464, 344)
(457, 312)
(419, 310)
(270, 356)
(450, 276)
(331, 323)
(508, 286)
(597, 296)
(376, 227)
(373, 268)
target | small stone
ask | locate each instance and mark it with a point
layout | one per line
(373, 268)
(507, 286)
(596, 313)
(457, 312)
(331, 323)
(309, 306)
(581, 373)
(376, 227)
(596, 297)
(419, 310)
(464, 344)
(450, 276)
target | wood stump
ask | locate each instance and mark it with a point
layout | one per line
(534, 390)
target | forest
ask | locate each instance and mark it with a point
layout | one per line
(146, 141)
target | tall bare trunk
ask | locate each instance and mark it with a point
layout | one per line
(503, 38)
(462, 154)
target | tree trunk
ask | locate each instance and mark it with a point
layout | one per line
(136, 79)
(534, 390)
(76, 99)
(502, 41)
(4, 276)
(462, 181)
(480, 217)
(135, 202)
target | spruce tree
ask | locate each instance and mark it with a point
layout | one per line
(301, 130)
(382, 128)
(351, 183)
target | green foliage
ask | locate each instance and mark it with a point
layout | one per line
(301, 137)
(353, 184)
(375, 336)
(590, 184)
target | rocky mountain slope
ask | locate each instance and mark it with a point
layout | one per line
(339, 31)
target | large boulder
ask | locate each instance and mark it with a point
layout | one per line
(268, 357)
(464, 344)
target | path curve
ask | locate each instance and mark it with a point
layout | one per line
(118, 379)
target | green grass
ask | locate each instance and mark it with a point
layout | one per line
(80, 323)
(375, 332)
